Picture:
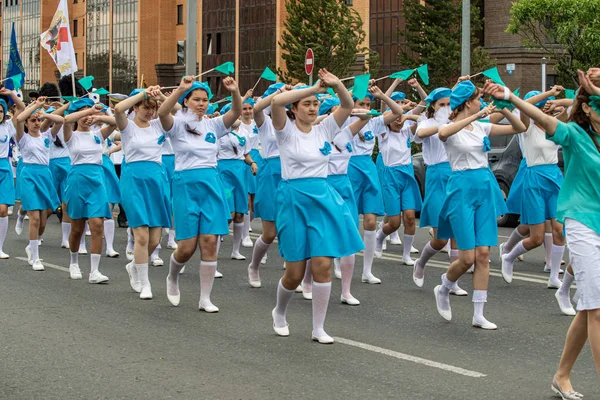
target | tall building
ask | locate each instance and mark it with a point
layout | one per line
(126, 43)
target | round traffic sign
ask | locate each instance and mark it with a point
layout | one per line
(309, 61)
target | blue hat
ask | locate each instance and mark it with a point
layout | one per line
(136, 91)
(328, 104)
(437, 94)
(483, 104)
(368, 96)
(211, 109)
(4, 106)
(79, 104)
(250, 101)
(273, 88)
(50, 110)
(539, 104)
(196, 86)
(461, 93)
(398, 96)
(226, 108)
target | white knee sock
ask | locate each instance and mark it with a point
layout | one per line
(548, 243)
(514, 238)
(307, 282)
(453, 255)
(369, 253)
(33, 247)
(237, 237)
(246, 230)
(3, 230)
(171, 239)
(565, 286)
(207, 278)
(260, 249)
(94, 262)
(426, 255)
(20, 219)
(142, 270)
(173, 277)
(66, 231)
(218, 244)
(283, 300)
(109, 234)
(557, 254)
(154, 254)
(74, 258)
(479, 300)
(320, 302)
(347, 268)
(516, 252)
(82, 241)
(130, 239)
(408, 241)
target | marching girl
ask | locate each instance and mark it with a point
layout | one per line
(195, 143)
(473, 198)
(37, 190)
(87, 199)
(267, 181)
(145, 190)
(168, 162)
(315, 224)
(113, 192)
(536, 202)
(7, 185)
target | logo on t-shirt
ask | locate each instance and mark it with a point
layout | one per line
(161, 139)
(326, 149)
(47, 143)
(408, 142)
(4, 139)
(349, 147)
(97, 139)
(255, 130)
(211, 138)
(369, 135)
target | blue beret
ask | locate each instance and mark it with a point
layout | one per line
(196, 86)
(461, 93)
(250, 101)
(4, 106)
(539, 104)
(483, 104)
(135, 92)
(211, 109)
(328, 104)
(437, 94)
(79, 104)
(397, 96)
(273, 88)
(50, 110)
(368, 96)
(226, 108)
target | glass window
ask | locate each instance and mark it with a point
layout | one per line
(74, 28)
(179, 14)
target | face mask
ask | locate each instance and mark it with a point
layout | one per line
(443, 114)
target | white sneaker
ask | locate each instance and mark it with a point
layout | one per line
(217, 274)
(75, 272)
(112, 253)
(371, 280)
(37, 265)
(237, 256)
(264, 260)
(158, 262)
(247, 242)
(64, 245)
(19, 228)
(408, 261)
(82, 250)
(172, 245)
(97, 277)
(29, 254)
(129, 253)
(395, 239)
(3, 255)
(10, 210)
(414, 250)
(507, 269)
(458, 291)
(134, 279)
(146, 293)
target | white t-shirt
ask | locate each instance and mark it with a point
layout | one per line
(86, 147)
(339, 160)
(375, 127)
(143, 144)
(301, 155)
(397, 146)
(7, 131)
(167, 147)
(268, 140)
(465, 148)
(536, 148)
(196, 150)
(56, 151)
(232, 147)
(251, 133)
(434, 151)
(36, 150)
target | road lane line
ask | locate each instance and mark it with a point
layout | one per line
(407, 357)
(58, 267)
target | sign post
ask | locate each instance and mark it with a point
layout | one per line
(309, 64)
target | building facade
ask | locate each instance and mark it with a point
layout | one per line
(127, 43)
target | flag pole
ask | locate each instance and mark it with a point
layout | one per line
(73, 83)
(256, 84)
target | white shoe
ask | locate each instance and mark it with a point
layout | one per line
(554, 285)
(250, 229)
(264, 260)
(298, 289)
(501, 252)
(253, 284)
(418, 281)
(507, 270)
(10, 210)
(350, 301)
(446, 314)
(325, 339)
(37, 265)
(112, 254)
(158, 262)
(485, 324)
(218, 274)
(134, 280)
(18, 229)
(521, 257)
(88, 233)
(446, 249)
(548, 270)
(75, 272)
(146, 293)
(172, 246)
(384, 245)
(408, 261)
(285, 331)
(237, 256)
(247, 242)
(395, 240)
(457, 291)
(378, 246)
(337, 270)
(40, 241)
(307, 295)
(3, 255)
(26, 217)
(209, 308)
(472, 269)
(82, 251)
(64, 245)
(29, 254)
(97, 277)
(372, 280)
(183, 271)
(414, 250)
(129, 254)
(173, 298)
(565, 305)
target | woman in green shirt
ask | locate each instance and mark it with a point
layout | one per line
(579, 209)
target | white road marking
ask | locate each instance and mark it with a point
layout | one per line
(407, 357)
(58, 267)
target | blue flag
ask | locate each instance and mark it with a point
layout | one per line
(15, 66)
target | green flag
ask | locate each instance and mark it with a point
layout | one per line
(269, 75)
(70, 98)
(101, 91)
(16, 81)
(569, 94)
(331, 92)
(226, 68)
(86, 82)
(494, 75)
(404, 75)
(423, 72)
(361, 85)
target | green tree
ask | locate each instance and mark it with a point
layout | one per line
(433, 37)
(332, 29)
(568, 31)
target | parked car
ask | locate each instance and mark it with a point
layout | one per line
(504, 159)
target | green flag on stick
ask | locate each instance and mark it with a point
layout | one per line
(404, 75)
(361, 85)
(269, 75)
(87, 82)
(423, 72)
(101, 91)
(569, 93)
(494, 75)
(226, 68)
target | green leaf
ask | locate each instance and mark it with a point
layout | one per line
(404, 75)
(226, 68)
(101, 91)
(87, 82)
(423, 72)
(269, 75)
(494, 75)
(361, 85)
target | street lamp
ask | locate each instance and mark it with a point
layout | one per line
(466, 38)
(544, 74)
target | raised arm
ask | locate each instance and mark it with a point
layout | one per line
(121, 109)
(164, 112)
(26, 113)
(516, 125)
(451, 129)
(346, 104)
(395, 108)
(19, 105)
(55, 119)
(278, 103)
(262, 104)
(76, 116)
(555, 91)
(111, 124)
(236, 102)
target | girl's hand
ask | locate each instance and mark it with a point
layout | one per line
(376, 92)
(494, 90)
(230, 84)
(328, 79)
(587, 84)
(487, 111)
(186, 83)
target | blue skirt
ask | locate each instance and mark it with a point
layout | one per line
(18, 180)
(111, 181)
(199, 204)
(313, 221)
(268, 178)
(252, 179)
(86, 193)
(7, 183)
(400, 190)
(145, 194)
(233, 175)
(38, 192)
(436, 180)
(168, 163)
(365, 183)
(380, 167)
(342, 185)
(513, 202)
(59, 167)
(539, 198)
(473, 202)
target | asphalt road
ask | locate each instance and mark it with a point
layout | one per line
(63, 339)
